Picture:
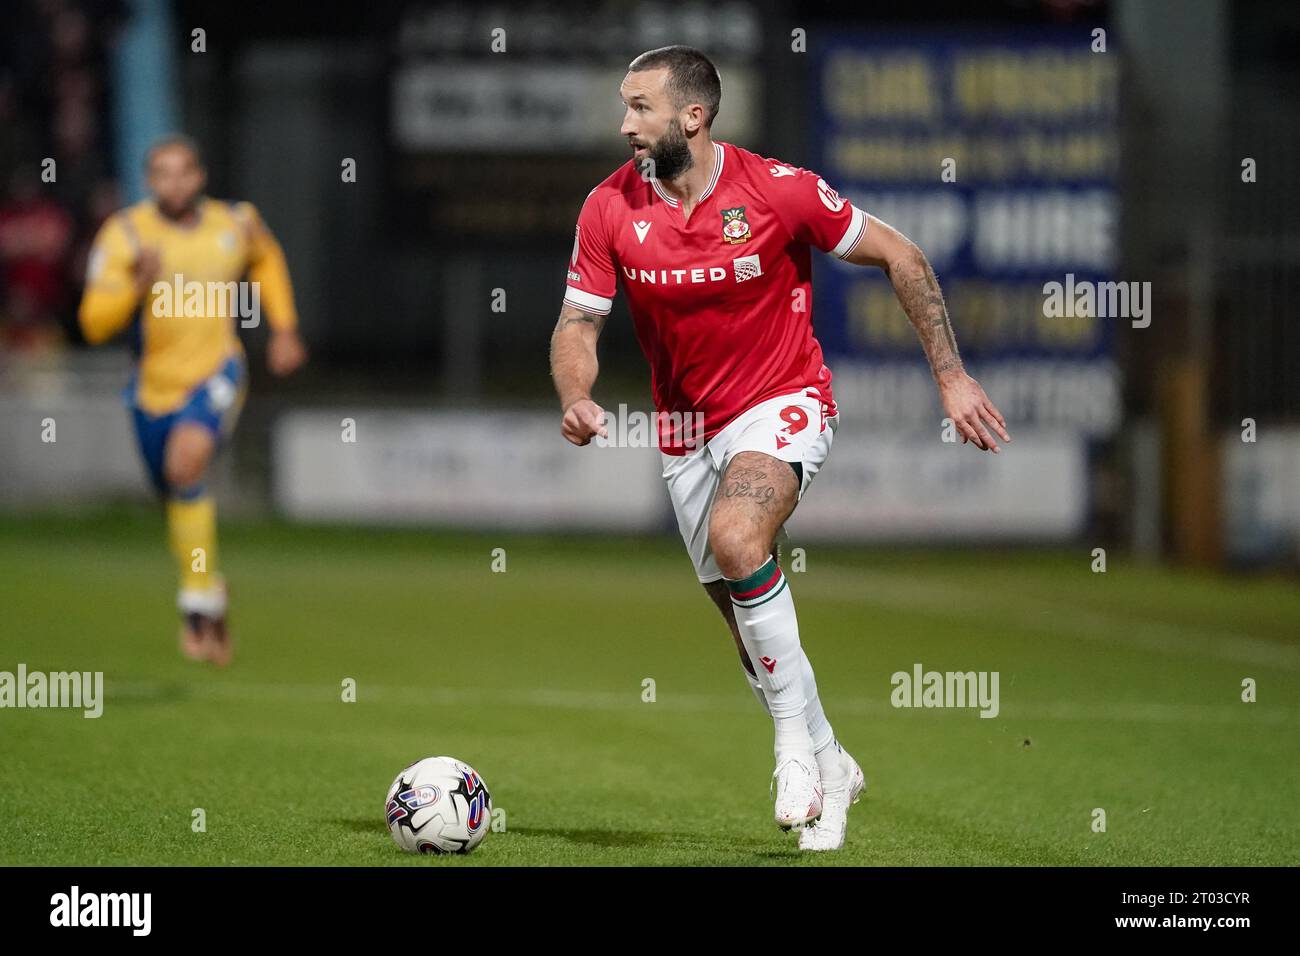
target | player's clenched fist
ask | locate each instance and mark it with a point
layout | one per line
(582, 421)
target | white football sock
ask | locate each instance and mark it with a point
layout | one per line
(834, 773)
(756, 686)
(769, 630)
(819, 728)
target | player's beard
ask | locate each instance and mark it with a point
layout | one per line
(671, 153)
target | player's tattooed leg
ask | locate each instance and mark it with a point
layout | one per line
(756, 495)
(719, 593)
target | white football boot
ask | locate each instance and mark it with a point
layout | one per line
(828, 832)
(797, 786)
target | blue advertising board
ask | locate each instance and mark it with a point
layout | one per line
(998, 156)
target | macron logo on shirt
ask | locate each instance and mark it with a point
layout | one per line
(641, 228)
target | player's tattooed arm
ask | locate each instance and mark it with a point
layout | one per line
(569, 316)
(573, 370)
(917, 289)
(918, 292)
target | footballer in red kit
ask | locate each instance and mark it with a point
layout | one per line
(722, 299)
(712, 247)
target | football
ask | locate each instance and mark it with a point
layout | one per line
(438, 805)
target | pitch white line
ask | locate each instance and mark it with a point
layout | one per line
(1053, 619)
(630, 700)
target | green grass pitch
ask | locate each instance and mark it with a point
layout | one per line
(1119, 691)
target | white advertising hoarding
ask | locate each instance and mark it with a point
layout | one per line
(882, 486)
(1261, 492)
(508, 469)
(512, 470)
(532, 108)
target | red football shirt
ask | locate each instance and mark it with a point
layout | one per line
(722, 301)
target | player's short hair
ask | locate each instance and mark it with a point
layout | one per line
(692, 77)
(172, 139)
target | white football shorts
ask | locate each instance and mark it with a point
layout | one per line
(793, 428)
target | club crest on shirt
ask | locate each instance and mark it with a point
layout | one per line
(735, 227)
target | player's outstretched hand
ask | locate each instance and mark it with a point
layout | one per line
(285, 353)
(969, 408)
(583, 420)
